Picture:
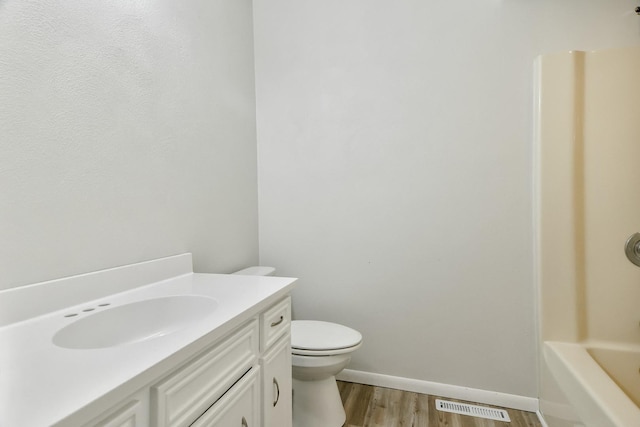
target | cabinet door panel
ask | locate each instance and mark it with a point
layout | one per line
(276, 385)
(183, 396)
(239, 407)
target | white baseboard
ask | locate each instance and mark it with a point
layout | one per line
(541, 419)
(512, 401)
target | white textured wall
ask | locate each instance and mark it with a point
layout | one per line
(127, 132)
(395, 168)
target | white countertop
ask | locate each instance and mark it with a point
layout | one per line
(42, 384)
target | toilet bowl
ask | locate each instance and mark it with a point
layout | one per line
(319, 351)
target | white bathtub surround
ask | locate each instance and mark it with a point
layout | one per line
(587, 175)
(594, 394)
(70, 386)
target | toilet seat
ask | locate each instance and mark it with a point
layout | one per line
(318, 338)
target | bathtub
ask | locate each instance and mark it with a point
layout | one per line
(601, 381)
(586, 178)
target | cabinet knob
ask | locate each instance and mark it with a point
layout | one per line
(275, 383)
(244, 422)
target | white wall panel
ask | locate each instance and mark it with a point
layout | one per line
(127, 133)
(395, 168)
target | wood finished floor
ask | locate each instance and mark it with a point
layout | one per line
(369, 406)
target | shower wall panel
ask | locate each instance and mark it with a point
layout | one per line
(611, 193)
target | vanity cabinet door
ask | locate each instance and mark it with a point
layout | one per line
(276, 385)
(239, 407)
(186, 394)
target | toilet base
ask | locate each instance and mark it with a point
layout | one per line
(317, 403)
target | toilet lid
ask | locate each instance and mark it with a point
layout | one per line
(316, 335)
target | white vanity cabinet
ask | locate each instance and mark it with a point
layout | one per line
(182, 349)
(242, 380)
(263, 397)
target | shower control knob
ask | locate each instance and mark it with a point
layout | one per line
(632, 248)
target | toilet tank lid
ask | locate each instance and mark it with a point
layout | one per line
(257, 271)
(319, 336)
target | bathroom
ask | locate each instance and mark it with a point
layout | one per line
(382, 152)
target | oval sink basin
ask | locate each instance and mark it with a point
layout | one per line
(135, 322)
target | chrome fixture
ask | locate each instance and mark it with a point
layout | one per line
(632, 248)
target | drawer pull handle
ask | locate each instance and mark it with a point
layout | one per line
(275, 383)
(274, 324)
(244, 422)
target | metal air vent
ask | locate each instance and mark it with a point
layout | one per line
(473, 410)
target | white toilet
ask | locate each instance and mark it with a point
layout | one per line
(319, 351)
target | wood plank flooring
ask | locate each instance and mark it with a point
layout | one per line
(369, 406)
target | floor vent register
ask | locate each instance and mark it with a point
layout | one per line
(473, 410)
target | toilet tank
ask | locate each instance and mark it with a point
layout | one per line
(256, 271)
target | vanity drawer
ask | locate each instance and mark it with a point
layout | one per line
(275, 323)
(186, 394)
(239, 407)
